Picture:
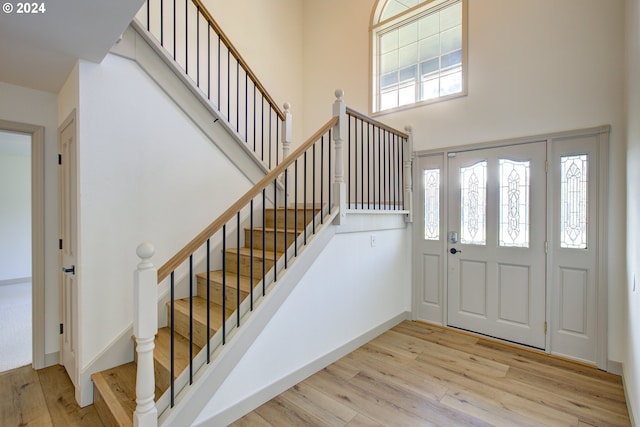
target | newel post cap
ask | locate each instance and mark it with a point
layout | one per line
(145, 252)
(339, 93)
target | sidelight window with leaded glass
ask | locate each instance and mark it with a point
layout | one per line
(574, 201)
(431, 204)
(514, 203)
(473, 200)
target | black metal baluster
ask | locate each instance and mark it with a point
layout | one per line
(208, 300)
(321, 180)
(174, 30)
(208, 62)
(255, 122)
(275, 234)
(186, 37)
(224, 283)
(161, 22)
(264, 241)
(286, 190)
(349, 163)
(219, 73)
(270, 133)
(149, 15)
(295, 209)
(262, 129)
(379, 168)
(198, 45)
(304, 192)
(238, 272)
(362, 164)
(329, 173)
(246, 107)
(173, 331)
(369, 166)
(313, 187)
(251, 255)
(190, 319)
(355, 161)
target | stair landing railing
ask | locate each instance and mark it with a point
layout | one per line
(312, 176)
(197, 44)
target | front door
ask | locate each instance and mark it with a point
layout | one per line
(68, 244)
(496, 241)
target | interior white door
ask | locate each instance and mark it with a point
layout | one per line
(496, 242)
(429, 237)
(68, 244)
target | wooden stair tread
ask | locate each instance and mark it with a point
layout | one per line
(200, 311)
(162, 351)
(117, 393)
(257, 253)
(232, 280)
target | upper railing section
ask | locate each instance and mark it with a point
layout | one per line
(377, 158)
(194, 40)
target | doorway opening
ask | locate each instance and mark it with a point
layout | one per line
(22, 264)
(15, 251)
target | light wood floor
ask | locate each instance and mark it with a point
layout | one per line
(418, 375)
(41, 398)
(412, 375)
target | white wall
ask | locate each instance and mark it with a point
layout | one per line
(146, 174)
(15, 207)
(534, 67)
(631, 295)
(350, 289)
(35, 107)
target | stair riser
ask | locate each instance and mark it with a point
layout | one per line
(245, 265)
(216, 293)
(182, 327)
(274, 220)
(268, 239)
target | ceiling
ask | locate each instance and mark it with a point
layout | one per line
(39, 50)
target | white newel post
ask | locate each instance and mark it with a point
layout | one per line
(339, 135)
(408, 174)
(145, 328)
(287, 138)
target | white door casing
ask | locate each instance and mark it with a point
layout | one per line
(67, 202)
(496, 258)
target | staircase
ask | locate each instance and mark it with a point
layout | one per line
(115, 389)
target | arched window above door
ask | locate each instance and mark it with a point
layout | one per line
(418, 52)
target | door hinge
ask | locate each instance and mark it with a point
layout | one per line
(546, 246)
(545, 328)
(60, 244)
(546, 166)
(59, 159)
(61, 328)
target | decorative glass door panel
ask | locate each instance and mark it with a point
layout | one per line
(496, 279)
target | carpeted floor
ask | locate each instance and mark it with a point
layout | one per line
(15, 325)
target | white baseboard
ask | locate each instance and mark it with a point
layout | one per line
(626, 396)
(51, 359)
(15, 281)
(266, 394)
(614, 367)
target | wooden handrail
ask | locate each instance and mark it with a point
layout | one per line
(216, 225)
(203, 10)
(368, 119)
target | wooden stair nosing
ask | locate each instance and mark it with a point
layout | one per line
(117, 413)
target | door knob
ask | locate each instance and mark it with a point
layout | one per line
(454, 251)
(71, 270)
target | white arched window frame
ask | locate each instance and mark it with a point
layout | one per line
(419, 52)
